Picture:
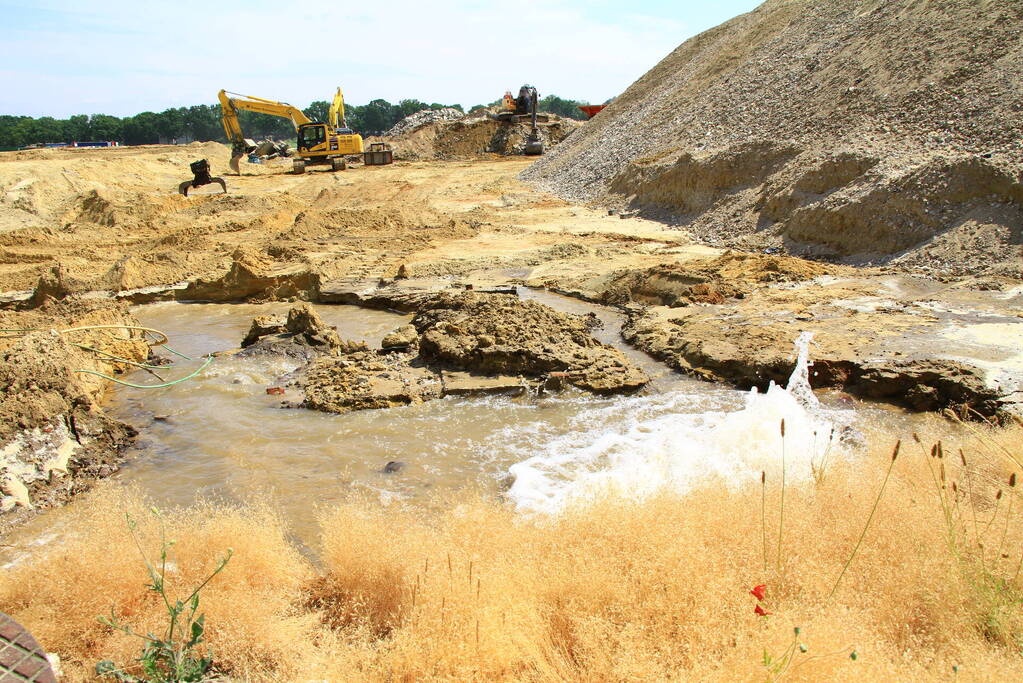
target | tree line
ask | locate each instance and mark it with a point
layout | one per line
(202, 122)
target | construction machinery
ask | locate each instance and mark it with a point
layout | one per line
(201, 172)
(318, 143)
(591, 110)
(522, 108)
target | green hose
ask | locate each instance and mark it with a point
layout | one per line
(161, 340)
(111, 356)
(202, 367)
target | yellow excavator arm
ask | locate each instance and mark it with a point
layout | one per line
(230, 103)
(229, 107)
(336, 115)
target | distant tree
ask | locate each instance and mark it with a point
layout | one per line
(141, 129)
(77, 128)
(170, 123)
(200, 122)
(378, 116)
(104, 127)
(317, 111)
(562, 107)
(406, 107)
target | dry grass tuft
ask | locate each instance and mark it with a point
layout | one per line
(612, 590)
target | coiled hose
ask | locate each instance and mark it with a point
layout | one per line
(161, 340)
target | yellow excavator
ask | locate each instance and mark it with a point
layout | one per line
(318, 143)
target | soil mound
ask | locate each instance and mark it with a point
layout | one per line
(433, 135)
(869, 132)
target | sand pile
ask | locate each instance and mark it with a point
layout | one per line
(861, 132)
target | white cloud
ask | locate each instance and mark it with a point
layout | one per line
(123, 57)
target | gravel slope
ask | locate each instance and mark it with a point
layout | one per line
(863, 132)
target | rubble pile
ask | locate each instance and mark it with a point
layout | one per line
(424, 117)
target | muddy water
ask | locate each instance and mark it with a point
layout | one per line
(220, 435)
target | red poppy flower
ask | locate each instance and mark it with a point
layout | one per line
(758, 592)
(760, 611)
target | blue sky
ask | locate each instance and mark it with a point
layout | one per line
(118, 57)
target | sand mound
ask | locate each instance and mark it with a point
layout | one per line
(861, 132)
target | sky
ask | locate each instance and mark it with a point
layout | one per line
(121, 57)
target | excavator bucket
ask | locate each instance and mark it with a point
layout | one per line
(534, 145)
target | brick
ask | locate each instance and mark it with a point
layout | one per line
(32, 665)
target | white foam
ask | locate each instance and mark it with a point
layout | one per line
(637, 446)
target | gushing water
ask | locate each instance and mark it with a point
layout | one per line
(638, 446)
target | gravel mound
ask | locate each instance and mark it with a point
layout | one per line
(867, 132)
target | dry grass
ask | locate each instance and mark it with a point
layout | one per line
(610, 591)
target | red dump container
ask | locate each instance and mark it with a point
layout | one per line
(591, 109)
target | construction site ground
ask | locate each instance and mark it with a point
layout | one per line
(85, 233)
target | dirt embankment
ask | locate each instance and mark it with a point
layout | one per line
(54, 435)
(869, 132)
(458, 344)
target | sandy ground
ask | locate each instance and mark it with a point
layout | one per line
(96, 229)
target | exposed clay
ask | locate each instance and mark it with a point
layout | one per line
(729, 276)
(502, 335)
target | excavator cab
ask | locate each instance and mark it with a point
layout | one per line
(312, 137)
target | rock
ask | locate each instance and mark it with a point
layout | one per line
(502, 335)
(53, 284)
(303, 320)
(262, 325)
(302, 335)
(400, 338)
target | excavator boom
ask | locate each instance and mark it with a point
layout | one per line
(336, 115)
(231, 103)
